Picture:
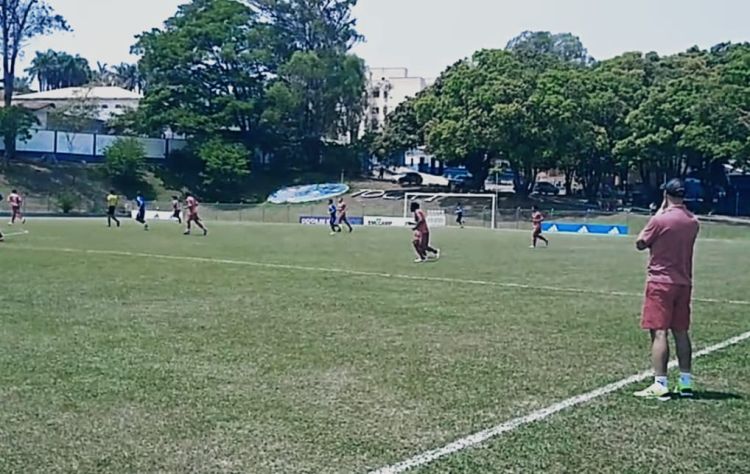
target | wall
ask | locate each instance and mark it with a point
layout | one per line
(88, 147)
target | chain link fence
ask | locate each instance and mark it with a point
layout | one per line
(475, 214)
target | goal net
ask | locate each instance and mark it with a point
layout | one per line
(479, 210)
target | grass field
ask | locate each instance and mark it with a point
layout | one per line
(281, 349)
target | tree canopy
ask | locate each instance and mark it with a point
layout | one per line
(543, 104)
(273, 76)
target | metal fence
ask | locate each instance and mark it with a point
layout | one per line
(474, 215)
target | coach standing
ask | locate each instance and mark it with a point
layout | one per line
(670, 237)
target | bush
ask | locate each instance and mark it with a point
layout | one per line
(68, 201)
(125, 160)
(225, 166)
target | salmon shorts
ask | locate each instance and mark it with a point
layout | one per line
(666, 306)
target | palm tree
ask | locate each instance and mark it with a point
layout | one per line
(55, 70)
(42, 67)
(128, 77)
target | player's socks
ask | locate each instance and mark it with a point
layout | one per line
(685, 385)
(662, 380)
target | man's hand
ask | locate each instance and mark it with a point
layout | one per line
(641, 244)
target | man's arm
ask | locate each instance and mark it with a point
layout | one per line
(648, 235)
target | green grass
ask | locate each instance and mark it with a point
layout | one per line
(115, 363)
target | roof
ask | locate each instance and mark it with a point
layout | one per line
(93, 93)
(32, 106)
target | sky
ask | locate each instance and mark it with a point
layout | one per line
(428, 35)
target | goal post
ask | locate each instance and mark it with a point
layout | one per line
(460, 197)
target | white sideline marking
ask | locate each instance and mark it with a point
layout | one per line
(281, 266)
(483, 436)
(16, 234)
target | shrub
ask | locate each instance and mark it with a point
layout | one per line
(68, 201)
(125, 160)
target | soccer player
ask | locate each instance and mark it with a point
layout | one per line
(177, 209)
(460, 215)
(670, 237)
(422, 235)
(342, 216)
(332, 211)
(140, 201)
(536, 221)
(16, 201)
(192, 205)
(112, 201)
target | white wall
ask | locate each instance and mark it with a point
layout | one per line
(87, 145)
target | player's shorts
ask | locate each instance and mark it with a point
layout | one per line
(176, 214)
(111, 211)
(537, 230)
(15, 210)
(332, 220)
(141, 217)
(194, 217)
(666, 306)
(422, 239)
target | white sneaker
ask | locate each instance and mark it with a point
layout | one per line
(532, 247)
(656, 391)
(437, 254)
(419, 260)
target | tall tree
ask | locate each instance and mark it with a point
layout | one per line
(564, 46)
(311, 25)
(21, 20)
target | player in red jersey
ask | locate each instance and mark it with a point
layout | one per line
(422, 235)
(342, 216)
(16, 201)
(536, 221)
(192, 206)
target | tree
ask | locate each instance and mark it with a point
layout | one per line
(564, 46)
(128, 77)
(310, 25)
(21, 20)
(55, 70)
(125, 160)
(206, 71)
(225, 166)
(317, 95)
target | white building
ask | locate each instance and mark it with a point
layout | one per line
(387, 88)
(104, 103)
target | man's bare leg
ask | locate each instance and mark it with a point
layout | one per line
(685, 359)
(659, 353)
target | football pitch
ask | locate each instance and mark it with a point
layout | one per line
(281, 349)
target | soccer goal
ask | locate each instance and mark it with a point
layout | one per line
(441, 207)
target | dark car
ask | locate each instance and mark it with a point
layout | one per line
(410, 179)
(544, 188)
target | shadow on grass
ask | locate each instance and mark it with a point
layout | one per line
(709, 396)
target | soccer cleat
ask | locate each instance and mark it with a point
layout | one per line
(187, 232)
(656, 391)
(420, 260)
(685, 390)
(532, 247)
(437, 254)
(205, 232)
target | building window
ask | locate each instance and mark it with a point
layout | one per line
(385, 110)
(376, 111)
(118, 106)
(385, 94)
(105, 106)
(376, 93)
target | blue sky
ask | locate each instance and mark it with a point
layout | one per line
(428, 35)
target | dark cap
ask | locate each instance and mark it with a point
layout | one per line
(675, 188)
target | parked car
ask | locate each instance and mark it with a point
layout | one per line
(544, 188)
(410, 179)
